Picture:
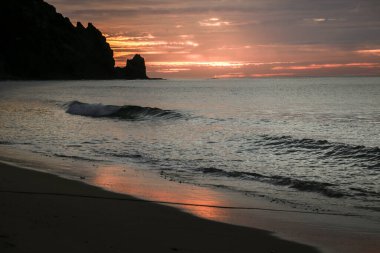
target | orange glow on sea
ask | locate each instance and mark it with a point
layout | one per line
(149, 186)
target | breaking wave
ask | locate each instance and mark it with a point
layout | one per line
(129, 112)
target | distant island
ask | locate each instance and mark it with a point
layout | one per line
(40, 44)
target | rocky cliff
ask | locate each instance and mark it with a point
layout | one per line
(39, 43)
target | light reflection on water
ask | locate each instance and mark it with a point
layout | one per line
(150, 187)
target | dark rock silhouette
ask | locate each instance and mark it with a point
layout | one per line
(120, 73)
(134, 69)
(39, 43)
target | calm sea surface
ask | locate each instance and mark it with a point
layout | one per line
(310, 143)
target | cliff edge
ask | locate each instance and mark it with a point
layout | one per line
(39, 43)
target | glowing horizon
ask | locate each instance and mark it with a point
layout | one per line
(247, 39)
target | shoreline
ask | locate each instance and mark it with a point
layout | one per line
(77, 217)
(327, 233)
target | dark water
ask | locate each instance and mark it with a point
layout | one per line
(311, 143)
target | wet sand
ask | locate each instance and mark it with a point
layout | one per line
(75, 217)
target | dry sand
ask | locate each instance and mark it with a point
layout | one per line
(68, 223)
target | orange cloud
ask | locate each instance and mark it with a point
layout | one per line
(172, 70)
(273, 75)
(121, 43)
(148, 44)
(230, 75)
(199, 64)
(213, 22)
(369, 51)
(329, 66)
(214, 63)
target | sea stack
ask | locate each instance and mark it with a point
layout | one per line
(135, 68)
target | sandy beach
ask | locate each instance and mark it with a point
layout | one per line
(74, 217)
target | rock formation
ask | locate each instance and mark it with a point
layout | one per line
(134, 69)
(39, 43)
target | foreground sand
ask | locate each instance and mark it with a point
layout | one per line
(64, 223)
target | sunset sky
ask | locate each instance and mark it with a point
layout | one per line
(242, 38)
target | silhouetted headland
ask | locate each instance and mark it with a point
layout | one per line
(41, 44)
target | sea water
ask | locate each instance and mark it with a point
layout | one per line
(308, 143)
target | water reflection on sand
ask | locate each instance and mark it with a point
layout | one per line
(149, 186)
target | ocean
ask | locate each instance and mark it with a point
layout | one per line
(308, 143)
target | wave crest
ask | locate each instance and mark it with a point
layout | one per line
(130, 112)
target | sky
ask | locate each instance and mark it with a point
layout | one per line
(238, 38)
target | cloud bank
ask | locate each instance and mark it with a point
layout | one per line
(293, 33)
